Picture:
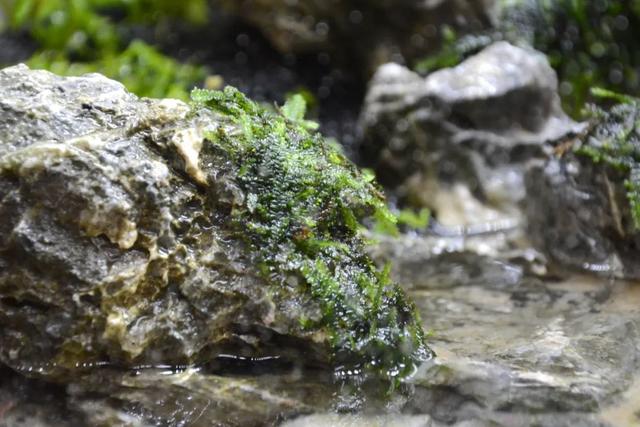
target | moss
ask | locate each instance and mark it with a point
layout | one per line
(303, 205)
(414, 220)
(81, 36)
(614, 140)
(140, 67)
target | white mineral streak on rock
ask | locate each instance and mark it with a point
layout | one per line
(188, 142)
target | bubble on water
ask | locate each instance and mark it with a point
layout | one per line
(241, 58)
(322, 29)
(243, 40)
(417, 40)
(355, 16)
(621, 22)
(324, 59)
(598, 49)
(616, 76)
(566, 88)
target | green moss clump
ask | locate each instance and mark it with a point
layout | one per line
(81, 36)
(615, 141)
(301, 212)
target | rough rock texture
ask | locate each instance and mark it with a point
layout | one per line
(155, 397)
(464, 125)
(118, 246)
(367, 33)
(516, 348)
(583, 203)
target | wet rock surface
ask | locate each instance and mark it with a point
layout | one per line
(582, 201)
(516, 347)
(464, 125)
(114, 248)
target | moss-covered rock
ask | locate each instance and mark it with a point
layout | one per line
(151, 232)
(584, 202)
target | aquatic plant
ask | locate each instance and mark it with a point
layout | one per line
(303, 206)
(81, 36)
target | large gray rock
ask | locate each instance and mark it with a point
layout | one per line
(121, 246)
(476, 124)
(583, 201)
(107, 253)
(367, 33)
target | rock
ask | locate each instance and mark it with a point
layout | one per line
(128, 239)
(515, 348)
(366, 34)
(335, 420)
(582, 202)
(467, 125)
(160, 397)
(533, 353)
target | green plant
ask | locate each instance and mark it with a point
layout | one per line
(589, 43)
(301, 212)
(81, 36)
(614, 140)
(140, 67)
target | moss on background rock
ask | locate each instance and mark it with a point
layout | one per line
(583, 203)
(615, 141)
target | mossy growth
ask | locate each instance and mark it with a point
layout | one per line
(301, 213)
(589, 43)
(80, 36)
(614, 140)
(407, 220)
(140, 67)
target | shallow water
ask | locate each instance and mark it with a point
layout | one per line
(513, 349)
